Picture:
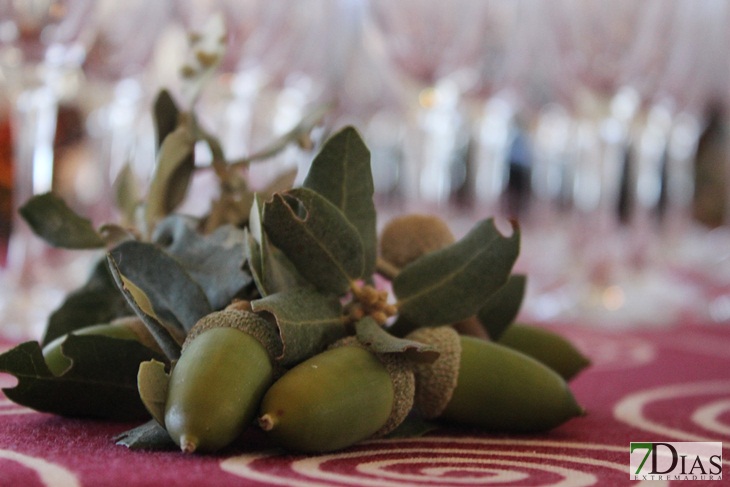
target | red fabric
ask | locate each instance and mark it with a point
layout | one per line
(665, 384)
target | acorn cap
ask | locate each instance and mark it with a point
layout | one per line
(246, 321)
(435, 382)
(404, 384)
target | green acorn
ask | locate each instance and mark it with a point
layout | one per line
(215, 388)
(547, 347)
(337, 398)
(128, 328)
(484, 384)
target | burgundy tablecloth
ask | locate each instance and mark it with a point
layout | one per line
(664, 384)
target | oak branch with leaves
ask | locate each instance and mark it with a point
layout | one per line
(264, 284)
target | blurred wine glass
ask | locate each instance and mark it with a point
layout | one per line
(494, 98)
(695, 80)
(673, 71)
(295, 58)
(432, 46)
(119, 94)
(609, 60)
(44, 43)
(697, 70)
(368, 96)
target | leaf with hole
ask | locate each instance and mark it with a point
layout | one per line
(451, 284)
(325, 248)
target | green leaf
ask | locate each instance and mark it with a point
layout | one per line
(314, 234)
(341, 173)
(56, 223)
(169, 339)
(175, 165)
(127, 194)
(308, 321)
(502, 307)
(102, 382)
(270, 268)
(272, 271)
(214, 261)
(378, 340)
(175, 297)
(152, 381)
(97, 301)
(166, 115)
(149, 436)
(451, 284)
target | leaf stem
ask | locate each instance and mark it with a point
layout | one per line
(218, 162)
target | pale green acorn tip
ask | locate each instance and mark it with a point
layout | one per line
(267, 422)
(188, 444)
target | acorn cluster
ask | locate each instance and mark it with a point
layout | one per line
(230, 377)
(349, 393)
(286, 310)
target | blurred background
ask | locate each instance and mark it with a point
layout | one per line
(601, 126)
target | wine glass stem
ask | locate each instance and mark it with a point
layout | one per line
(433, 153)
(34, 120)
(680, 175)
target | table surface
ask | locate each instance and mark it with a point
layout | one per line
(660, 384)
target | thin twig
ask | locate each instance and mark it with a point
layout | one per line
(302, 129)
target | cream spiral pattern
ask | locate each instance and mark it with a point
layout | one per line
(439, 462)
(631, 409)
(8, 407)
(49, 474)
(708, 417)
